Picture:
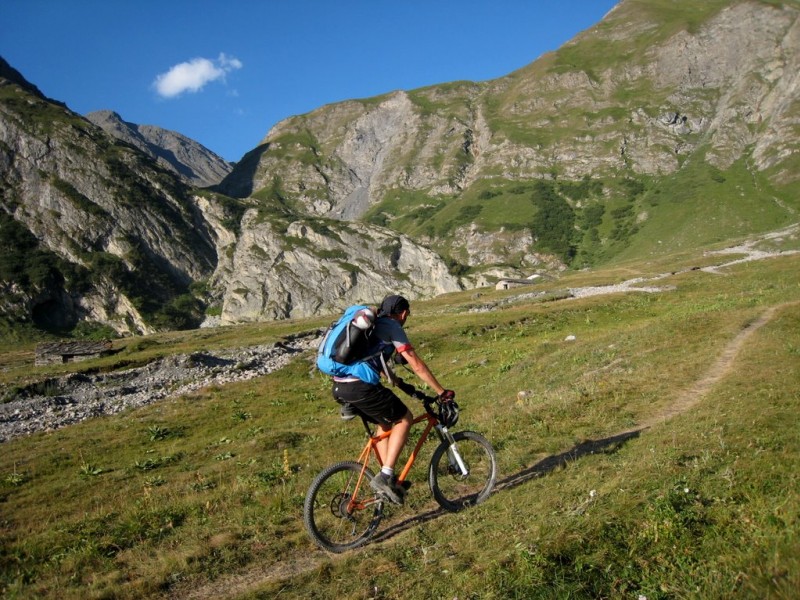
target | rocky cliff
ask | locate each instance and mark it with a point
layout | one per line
(92, 229)
(96, 230)
(308, 267)
(668, 123)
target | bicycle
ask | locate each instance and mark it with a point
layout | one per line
(341, 511)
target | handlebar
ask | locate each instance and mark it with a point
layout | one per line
(413, 392)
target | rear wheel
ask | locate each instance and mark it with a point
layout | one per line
(450, 487)
(333, 519)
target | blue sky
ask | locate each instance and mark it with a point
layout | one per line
(224, 72)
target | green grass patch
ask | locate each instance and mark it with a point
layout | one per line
(700, 205)
(192, 491)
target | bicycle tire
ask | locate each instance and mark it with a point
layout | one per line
(450, 489)
(324, 512)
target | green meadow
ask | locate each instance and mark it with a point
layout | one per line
(647, 444)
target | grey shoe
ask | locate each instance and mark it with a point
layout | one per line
(385, 486)
(347, 412)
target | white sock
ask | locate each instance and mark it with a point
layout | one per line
(388, 471)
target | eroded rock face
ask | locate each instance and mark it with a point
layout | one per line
(303, 272)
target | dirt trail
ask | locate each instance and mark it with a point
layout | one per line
(238, 584)
(691, 396)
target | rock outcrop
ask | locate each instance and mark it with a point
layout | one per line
(318, 267)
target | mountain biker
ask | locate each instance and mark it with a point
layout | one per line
(379, 404)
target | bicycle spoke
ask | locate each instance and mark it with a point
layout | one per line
(454, 489)
(335, 520)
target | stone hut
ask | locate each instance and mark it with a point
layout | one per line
(508, 283)
(58, 353)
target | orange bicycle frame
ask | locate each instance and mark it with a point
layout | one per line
(371, 448)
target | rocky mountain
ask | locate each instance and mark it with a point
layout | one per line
(96, 233)
(92, 229)
(192, 162)
(669, 124)
(654, 86)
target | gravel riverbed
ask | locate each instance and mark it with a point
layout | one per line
(80, 396)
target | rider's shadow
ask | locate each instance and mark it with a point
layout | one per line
(547, 465)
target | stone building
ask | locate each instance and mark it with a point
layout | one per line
(57, 353)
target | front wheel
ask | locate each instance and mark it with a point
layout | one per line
(338, 516)
(453, 489)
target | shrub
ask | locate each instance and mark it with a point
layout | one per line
(92, 330)
(554, 222)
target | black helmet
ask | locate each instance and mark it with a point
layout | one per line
(448, 413)
(393, 305)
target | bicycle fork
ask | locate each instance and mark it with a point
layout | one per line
(457, 463)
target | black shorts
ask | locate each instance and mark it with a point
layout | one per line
(377, 403)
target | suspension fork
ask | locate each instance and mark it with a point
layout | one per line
(453, 455)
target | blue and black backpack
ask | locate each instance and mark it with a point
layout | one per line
(348, 343)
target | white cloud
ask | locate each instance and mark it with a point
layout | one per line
(193, 75)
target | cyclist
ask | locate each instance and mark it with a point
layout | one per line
(379, 404)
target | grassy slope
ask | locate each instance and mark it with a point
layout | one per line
(701, 205)
(191, 491)
(696, 206)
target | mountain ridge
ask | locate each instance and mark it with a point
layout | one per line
(665, 125)
(189, 160)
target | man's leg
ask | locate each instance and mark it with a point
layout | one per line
(389, 449)
(391, 414)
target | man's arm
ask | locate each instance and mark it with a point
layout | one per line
(421, 369)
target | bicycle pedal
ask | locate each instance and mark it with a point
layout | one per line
(401, 498)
